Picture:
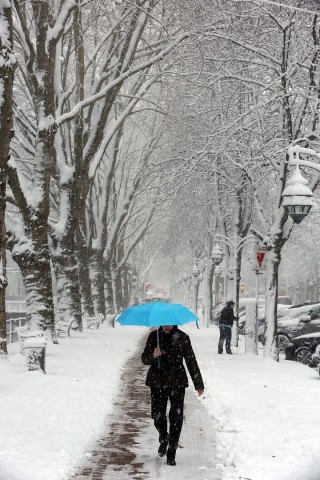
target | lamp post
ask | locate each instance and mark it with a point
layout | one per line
(215, 259)
(311, 291)
(185, 279)
(217, 274)
(195, 273)
(181, 289)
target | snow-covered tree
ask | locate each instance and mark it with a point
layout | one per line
(7, 65)
(268, 56)
(68, 87)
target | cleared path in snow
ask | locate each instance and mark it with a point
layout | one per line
(129, 448)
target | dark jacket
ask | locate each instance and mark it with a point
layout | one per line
(227, 316)
(169, 371)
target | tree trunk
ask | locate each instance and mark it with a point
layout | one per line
(6, 82)
(115, 287)
(273, 258)
(3, 329)
(108, 287)
(209, 293)
(97, 274)
(77, 202)
(67, 281)
(36, 273)
(134, 293)
(84, 275)
(33, 255)
(119, 290)
(125, 287)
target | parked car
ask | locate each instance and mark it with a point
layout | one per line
(304, 349)
(282, 309)
(316, 359)
(155, 299)
(301, 324)
(242, 319)
(296, 321)
(216, 310)
(283, 300)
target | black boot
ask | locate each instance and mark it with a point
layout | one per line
(162, 449)
(164, 440)
(171, 456)
(171, 461)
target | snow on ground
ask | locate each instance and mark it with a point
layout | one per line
(265, 413)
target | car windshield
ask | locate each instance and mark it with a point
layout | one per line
(315, 314)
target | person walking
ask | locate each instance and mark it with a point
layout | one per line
(225, 325)
(165, 351)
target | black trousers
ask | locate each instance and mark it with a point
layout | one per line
(159, 401)
(225, 335)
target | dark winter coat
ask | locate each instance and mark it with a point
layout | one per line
(227, 317)
(169, 371)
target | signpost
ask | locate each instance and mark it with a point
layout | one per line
(260, 252)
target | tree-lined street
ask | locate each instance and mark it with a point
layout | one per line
(158, 150)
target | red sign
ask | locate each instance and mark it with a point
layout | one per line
(260, 258)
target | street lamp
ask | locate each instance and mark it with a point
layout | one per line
(217, 255)
(195, 270)
(214, 260)
(297, 196)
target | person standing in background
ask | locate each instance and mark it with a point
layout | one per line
(225, 325)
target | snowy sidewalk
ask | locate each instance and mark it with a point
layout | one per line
(129, 448)
(263, 414)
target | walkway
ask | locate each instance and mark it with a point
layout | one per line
(129, 448)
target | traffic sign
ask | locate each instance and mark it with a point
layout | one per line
(260, 258)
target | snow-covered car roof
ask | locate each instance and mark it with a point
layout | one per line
(307, 335)
(296, 312)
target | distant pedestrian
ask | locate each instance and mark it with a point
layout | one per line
(225, 325)
(165, 351)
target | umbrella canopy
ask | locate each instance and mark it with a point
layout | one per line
(156, 314)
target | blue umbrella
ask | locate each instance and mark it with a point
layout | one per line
(156, 314)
